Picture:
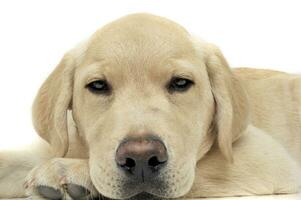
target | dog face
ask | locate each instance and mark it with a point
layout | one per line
(139, 70)
(149, 102)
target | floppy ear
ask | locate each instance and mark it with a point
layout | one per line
(231, 112)
(51, 105)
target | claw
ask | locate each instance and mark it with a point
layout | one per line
(63, 180)
(28, 184)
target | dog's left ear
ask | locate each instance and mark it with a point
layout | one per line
(51, 104)
(232, 108)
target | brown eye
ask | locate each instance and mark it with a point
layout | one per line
(179, 84)
(99, 87)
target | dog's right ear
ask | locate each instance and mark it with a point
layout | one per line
(51, 105)
(232, 105)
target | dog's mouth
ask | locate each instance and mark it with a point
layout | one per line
(153, 189)
(140, 196)
(168, 183)
(145, 196)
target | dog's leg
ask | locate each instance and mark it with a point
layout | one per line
(61, 178)
(13, 170)
(16, 164)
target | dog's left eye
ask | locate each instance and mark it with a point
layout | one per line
(99, 87)
(178, 84)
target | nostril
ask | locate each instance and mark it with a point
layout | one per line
(154, 162)
(129, 163)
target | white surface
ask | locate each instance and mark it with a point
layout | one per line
(270, 197)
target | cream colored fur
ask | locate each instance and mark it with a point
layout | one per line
(234, 132)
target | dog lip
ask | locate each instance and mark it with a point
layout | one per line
(151, 189)
(144, 196)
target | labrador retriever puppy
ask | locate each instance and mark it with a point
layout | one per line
(143, 110)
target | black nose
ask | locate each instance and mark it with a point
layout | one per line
(141, 157)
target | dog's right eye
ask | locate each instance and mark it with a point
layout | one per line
(99, 87)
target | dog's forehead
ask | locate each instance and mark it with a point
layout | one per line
(139, 38)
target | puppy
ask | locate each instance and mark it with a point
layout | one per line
(144, 110)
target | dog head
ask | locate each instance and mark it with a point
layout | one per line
(148, 100)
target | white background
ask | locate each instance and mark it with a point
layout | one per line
(35, 34)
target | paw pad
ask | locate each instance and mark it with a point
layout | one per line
(77, 191)
(50, 193)
(74, 191)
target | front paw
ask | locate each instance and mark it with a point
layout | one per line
(61, 178)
